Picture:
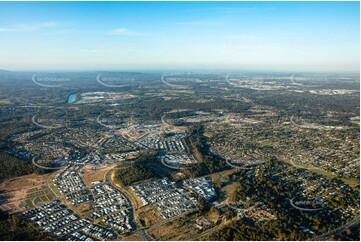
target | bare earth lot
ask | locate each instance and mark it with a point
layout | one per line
(17, 190)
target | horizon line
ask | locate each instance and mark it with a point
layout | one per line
(179, 69)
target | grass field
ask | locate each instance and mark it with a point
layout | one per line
(90, 175)
(147, 216)
(5, 101)
(175, 230)
(82, 209)
(38, 196)
(54, 189)
(353, 182)
(26, 190)
(221, 176)
(134, 237)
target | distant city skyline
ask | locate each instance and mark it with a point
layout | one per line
(270, 36)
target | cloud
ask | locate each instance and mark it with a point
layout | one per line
(60, 32)
(119, 31)
(124, 31)
(28, 27)
(3, 30)
(49, 24)
(107, 50)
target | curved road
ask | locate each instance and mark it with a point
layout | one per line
(45, 167)
(173, 85)
(139, 231)
(304, 209)
(44, 126)
(173, 167)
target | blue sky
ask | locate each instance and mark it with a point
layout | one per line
(295, 36)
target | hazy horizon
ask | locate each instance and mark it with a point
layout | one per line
(248, 36)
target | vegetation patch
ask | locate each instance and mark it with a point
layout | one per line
(13, 228)
(129, 173)
(11, 166)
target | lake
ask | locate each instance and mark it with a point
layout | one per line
(72, 98)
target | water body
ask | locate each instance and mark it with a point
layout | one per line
(71, 98)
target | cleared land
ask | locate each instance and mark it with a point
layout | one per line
(38, 196)
(92, 173)
(24, 190)
(134, 237)
(147, 216)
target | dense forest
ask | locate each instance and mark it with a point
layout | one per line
(11, 166)
(346, 106)
(197, 145)
(248, 229)
(13, 228)
(130, 173)
(274, 192)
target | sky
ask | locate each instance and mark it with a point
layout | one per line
(277, 36)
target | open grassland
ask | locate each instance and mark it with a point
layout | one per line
(26, 190)
(38, 196)
(147, 216)
(173, 231)
(134, 237)
(5, 101)
(92, 173)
